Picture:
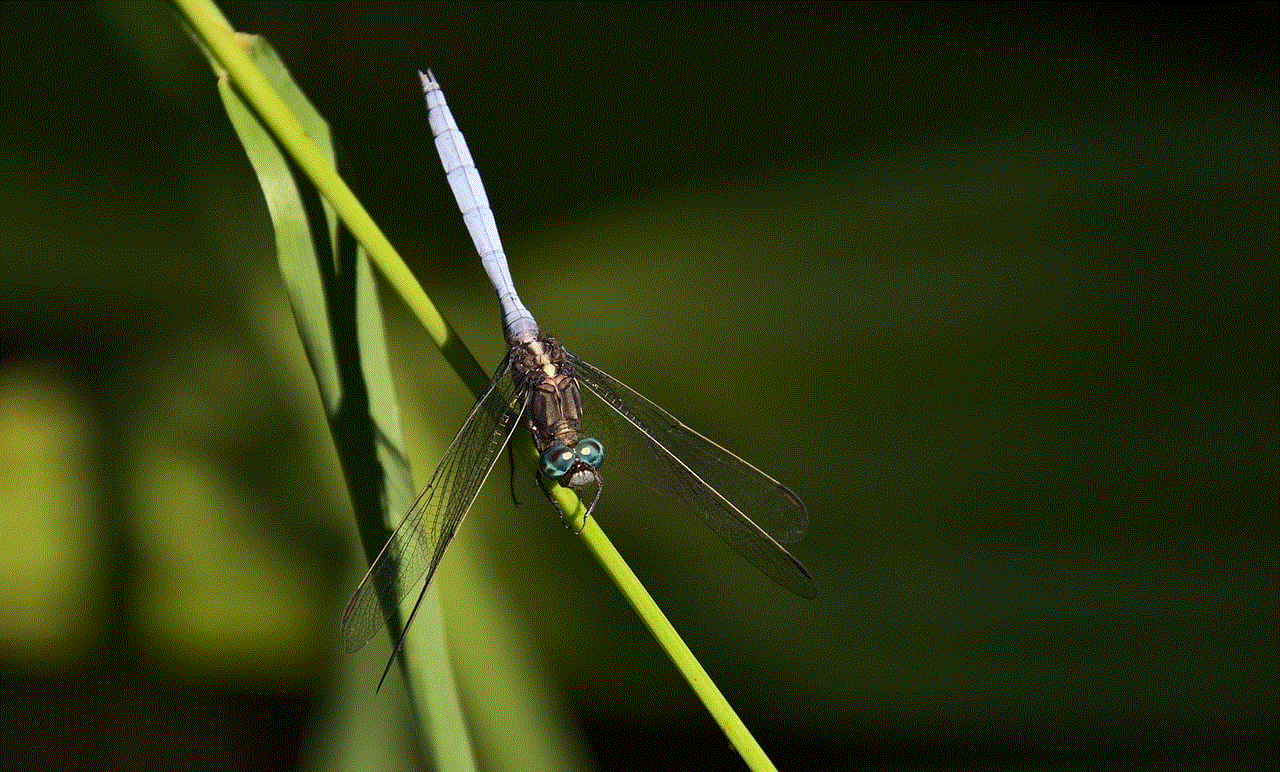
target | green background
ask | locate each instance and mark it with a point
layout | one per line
(994, 288)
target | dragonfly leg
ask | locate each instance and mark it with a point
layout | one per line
(542, 486)
(511, 472)
(594, 501)
(545, 492)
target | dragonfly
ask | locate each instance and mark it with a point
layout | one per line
(542, 384)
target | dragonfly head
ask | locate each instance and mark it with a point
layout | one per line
(573, 467)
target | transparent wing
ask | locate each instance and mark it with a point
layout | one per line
(746, 507)
(420, 540)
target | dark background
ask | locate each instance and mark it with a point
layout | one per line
(994, 288)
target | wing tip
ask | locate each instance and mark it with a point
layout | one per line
(793, 498)
(803, 583)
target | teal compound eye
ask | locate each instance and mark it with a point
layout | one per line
(556, 460)
(591, 451)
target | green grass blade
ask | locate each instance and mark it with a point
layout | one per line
(221, 43)
(331, 287)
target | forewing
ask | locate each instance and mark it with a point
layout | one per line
(746, 507)
(420, 540)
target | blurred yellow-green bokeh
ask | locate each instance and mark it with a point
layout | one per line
(994, 288)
